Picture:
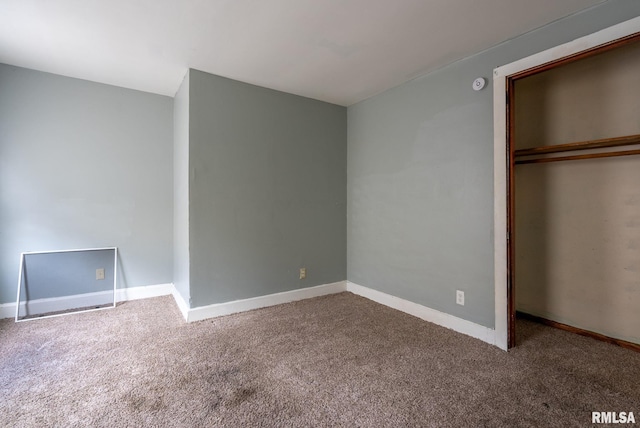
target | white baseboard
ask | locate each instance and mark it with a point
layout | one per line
(431, 315)
(55, 304)
(182, 305)
(227, 308)
(440, 318)
(8, 310)
(144, 292)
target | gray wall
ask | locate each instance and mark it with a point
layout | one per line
(66, 274)
(181, 190)
(84, 165)
(267, 190)
(420, 165)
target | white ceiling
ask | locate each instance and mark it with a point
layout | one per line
(340, 51)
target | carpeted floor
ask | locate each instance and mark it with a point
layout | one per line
(339, 360)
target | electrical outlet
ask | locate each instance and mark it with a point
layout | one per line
(460, 297)
(100, 273)
(303, 273)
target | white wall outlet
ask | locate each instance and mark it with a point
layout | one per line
(100, 273)
(303, 273)
(460, 297)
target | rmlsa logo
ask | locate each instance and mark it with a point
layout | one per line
(612, 418)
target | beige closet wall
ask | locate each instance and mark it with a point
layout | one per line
(578, 222)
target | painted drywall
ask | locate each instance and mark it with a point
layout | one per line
(181, 190)
(578, 222)
(267, 190)
(420, 176)
(50, 275)
(84, 165)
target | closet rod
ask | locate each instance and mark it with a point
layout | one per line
(581, 145)
(578, 157)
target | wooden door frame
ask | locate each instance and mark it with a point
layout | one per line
(504, 79)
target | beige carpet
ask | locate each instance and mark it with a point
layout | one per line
(338, 360)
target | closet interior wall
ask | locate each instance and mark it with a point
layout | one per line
(577, 222)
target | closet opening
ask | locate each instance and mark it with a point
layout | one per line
(573, 193)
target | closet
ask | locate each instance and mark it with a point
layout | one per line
(576, 134)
